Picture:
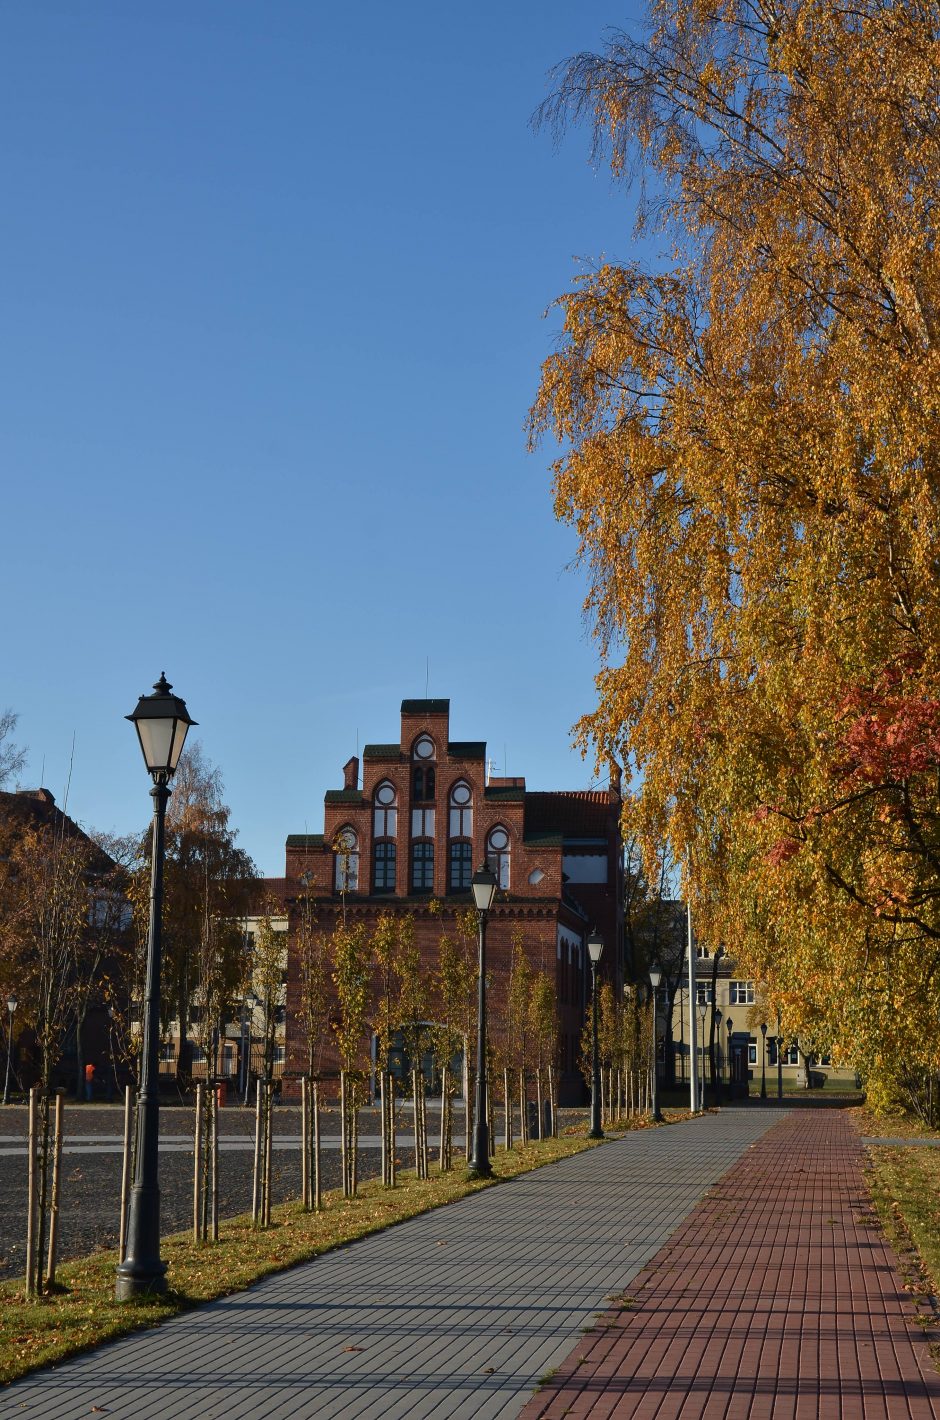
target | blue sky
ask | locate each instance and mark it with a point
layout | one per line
(272, 282)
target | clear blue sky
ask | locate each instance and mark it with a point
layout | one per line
(272, 283)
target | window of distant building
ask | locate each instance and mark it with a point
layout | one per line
(346, 870)
(422, 783)
(385, 827)
(741, 993)
(384, 863)
(422, 866)
(460, 824)
(704, 994)
(497, 854)
(461, 866)
(385, 811)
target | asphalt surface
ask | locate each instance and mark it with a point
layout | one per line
(89, 1216)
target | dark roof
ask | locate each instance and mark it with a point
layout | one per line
(37, 809)
(381, 751)
(544, 840)
(425, 707)
(467, 749)
(305, 840)
(505, 793)
(580, 813)
(343, 796)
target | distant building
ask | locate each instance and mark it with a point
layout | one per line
(424, 816)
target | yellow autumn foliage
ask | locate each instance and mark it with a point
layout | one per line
(750, 454)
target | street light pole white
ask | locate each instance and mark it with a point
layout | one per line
(656, 977)
(595, 947)
(11, 1008)
(694, 1101)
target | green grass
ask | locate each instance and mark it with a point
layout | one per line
(83, 1313)
(905, 1189)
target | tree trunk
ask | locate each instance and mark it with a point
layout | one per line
(507, 1118)
(256, 1181)
(197, 1167)
(31, 1205)
(125, 1169)
(317, 1185)
(56, 1184)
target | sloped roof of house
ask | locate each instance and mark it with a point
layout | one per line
(37, 809)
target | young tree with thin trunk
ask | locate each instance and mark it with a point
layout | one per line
(352, 970)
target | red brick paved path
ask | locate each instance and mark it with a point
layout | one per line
(775, 1298)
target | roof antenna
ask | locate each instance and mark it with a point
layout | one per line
(505, 770)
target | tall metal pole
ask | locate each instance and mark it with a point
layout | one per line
(142, 1272)
(595, 1131)
(6, 1083)
(480, 1166)
(779, 1061)
(657, 1112)
(763, 1063)
(694, 1100)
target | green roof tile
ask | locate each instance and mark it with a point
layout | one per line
(507, 794)
(305, 840)
(343, 796)
(467, 749)
(381, 751)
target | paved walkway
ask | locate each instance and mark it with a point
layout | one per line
(454, 1314)
(776, 1298)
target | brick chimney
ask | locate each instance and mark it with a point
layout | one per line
(351, 773)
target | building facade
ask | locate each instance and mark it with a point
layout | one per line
(410, 826)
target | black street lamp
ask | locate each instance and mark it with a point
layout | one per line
(702, 1012)
(595, 946)
(779, 1060)
(763, 1063)
(161, 721)
(484, 887)
(718, 1080)
(730, 1024)
(656, 977)
(11, 1008)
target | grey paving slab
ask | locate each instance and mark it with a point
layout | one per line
(453, 1314)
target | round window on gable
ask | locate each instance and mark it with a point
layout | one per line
(424, 748)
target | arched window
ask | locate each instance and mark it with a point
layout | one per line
(385, 828)
(497, 854)
(346, 849)
(385, 813)
(423, 778)
(461, 834)
(461, 810)
(422, 866)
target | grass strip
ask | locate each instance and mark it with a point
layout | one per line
(905, 1189)
(82, 1312)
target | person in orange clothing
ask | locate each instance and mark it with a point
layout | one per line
(90, 1081)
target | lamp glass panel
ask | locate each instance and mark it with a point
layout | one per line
(179, 739)
(595, 948)
(156, 741)
(483, 894)
(656, 977)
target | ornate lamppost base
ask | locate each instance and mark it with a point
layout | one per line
(134, 1282)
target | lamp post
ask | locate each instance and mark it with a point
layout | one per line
(161, 721)
(11, 1008)
(595, 947)
(779, 1060)
(763, 1063)
(701, 1013)
(718, 1080)
(656, 977)
(730, 1024)
(483, 884)
(248, 1016)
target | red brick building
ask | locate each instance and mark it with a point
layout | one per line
(424, 815)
